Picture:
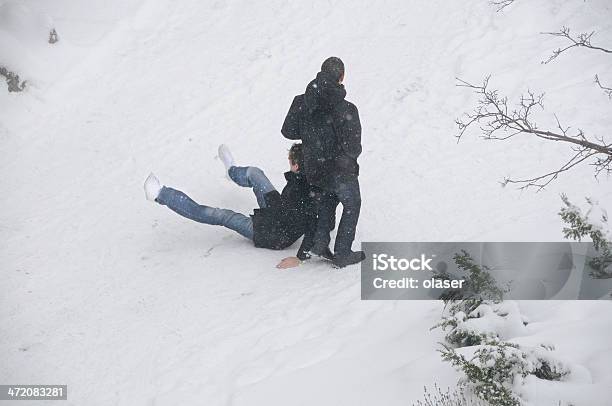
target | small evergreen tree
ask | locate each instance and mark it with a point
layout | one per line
(461, 306)
(497, 366)
(582, 225)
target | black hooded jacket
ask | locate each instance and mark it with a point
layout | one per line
(287, 217)
(329, 128)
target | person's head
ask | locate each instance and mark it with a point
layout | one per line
(335, 67)
(296, 158)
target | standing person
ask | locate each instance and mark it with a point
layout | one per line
(329, 128)
(280, 220)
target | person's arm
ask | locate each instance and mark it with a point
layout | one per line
(308, 240)
(291, 126)
(273, 199)
(312, 210)
(305, 247)
(351, 133)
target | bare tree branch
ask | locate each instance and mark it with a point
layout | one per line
(582, 40)
(501, 4)
(607, 90)
(498, 121)
(540, 182)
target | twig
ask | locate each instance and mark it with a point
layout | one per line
(607, 90)
(582, 40)
(501, 4)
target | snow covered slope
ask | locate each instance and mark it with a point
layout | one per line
(129, 304)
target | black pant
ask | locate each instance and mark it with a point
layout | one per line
(344, 189)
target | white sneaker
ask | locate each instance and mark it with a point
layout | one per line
(226, 157)
(152, 187)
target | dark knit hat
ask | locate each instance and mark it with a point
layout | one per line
(333, 66)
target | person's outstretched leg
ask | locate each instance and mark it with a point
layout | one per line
(246, 176)
(253, 177)
(182, 204)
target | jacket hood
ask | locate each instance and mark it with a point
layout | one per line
(324, 93)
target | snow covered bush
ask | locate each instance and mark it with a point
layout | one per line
(479, 281)
(479, 284)
(595, 227)
(456, 323)
(53, 37)
(480, 323)
(497, 368)
(12, 80)
(467, 326)
(480, 313)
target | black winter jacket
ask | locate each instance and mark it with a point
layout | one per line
(287, 217)
(329, 128)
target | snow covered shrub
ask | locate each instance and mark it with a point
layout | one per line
(497, 367)
(479, 314)
(481, 322)
(455, 322)
(584, 225)
(463, 337)
(12, 80)
(457, 397)
(53, 37)
(479, 284)
(487, 321)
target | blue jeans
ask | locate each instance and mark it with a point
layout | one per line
(182, 204)
(253, 177)
(344, 189)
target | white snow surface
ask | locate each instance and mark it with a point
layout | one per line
(129, 304)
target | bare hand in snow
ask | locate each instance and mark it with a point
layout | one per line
(289, 262)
